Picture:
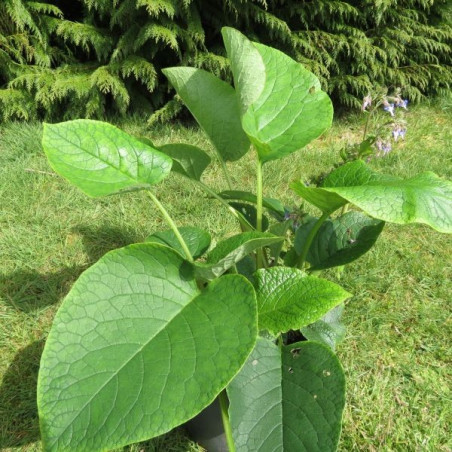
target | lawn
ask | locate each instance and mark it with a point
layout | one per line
(396, 354)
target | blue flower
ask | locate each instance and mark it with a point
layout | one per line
(402, 103)
(384, 147)
(399, 131)
(388, 107)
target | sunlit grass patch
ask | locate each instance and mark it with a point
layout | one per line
(397, 345)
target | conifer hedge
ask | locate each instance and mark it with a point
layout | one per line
(62, 59)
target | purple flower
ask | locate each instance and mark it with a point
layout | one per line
(399, 131)
(388, 107)
(367, 102)
(402, 103)
(384, 147)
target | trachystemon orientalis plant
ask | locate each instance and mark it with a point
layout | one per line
(153, 332)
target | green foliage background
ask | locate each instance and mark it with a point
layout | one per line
(62, 59)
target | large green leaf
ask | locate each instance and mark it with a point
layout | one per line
(101, 159)
(196, 239)
(327, 202)
(214, 105)
(247, 66)
(339, 241)
(425, 198)
(137, 349)
(289, 300)
(188, 160)
(232, 250)
(329, 330)
(282, 104)
(288, 399)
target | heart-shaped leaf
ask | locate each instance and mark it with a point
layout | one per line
(232, 250)
(324, 200)
(329, 330)
(146, 141)
(288, 399)
(197, 240)
(283, 107)
(425, 198)
(287, 299)
(137, 349)
(101, 159)
(339, 241)
(214, 105)
(188, 160)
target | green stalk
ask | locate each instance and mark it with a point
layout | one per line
(226, 174)
(241, 219)
(223, 398)
(172, 225)
(367, 124)
(310, 238)
(259, 207)
(371, 112)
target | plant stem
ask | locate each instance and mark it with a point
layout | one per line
(242, 220)
(310, 238)
(172, 225)
(259, 207)
(367, 124)
(259, 195)
(223, 398)
(226, 174)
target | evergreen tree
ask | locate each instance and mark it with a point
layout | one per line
(106, 55)
(25, 28)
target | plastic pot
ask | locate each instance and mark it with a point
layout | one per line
(207, 429)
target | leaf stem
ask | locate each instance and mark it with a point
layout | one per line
(172, 225)
(223, 398)
(259, 207)
(310, 238)
(241, 219)
(226, 174)
(367, 124)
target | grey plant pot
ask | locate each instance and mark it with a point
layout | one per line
(207, 429)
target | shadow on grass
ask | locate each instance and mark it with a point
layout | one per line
(99, 240)
(18, 410)
(29, 290)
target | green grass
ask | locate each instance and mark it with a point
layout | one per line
(397, 350)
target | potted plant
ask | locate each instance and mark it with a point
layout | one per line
(154, 332)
